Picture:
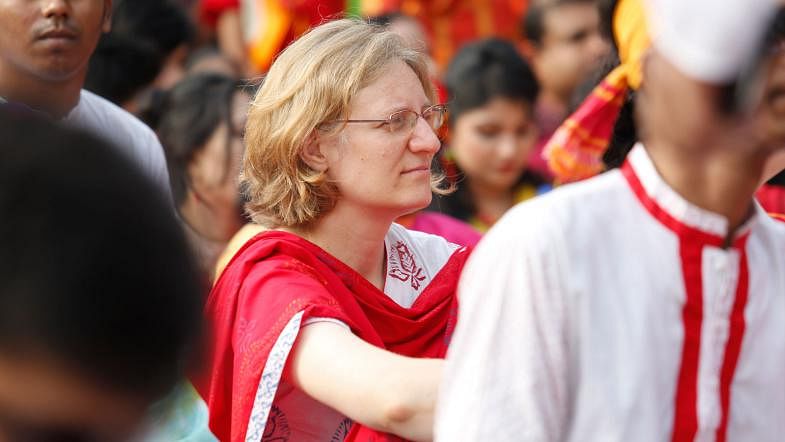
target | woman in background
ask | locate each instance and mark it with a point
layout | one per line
(200, 123)
(491, 133)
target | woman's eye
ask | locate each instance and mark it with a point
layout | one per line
(488, 132)
(523, 132)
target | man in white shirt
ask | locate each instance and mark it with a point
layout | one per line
(44, 51)
(648, 303)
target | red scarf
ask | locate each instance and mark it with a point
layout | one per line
(277, 275)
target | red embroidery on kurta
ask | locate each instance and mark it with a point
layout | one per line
(406, 268)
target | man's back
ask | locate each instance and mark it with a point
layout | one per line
(611, 311)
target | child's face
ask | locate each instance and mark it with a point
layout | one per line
(491, 144)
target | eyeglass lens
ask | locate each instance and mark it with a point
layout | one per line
(407, 119)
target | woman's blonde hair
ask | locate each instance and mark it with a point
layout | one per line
(312, 82)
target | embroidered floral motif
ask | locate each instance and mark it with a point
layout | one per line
(277, 429)
(342, 431)
(405, 267)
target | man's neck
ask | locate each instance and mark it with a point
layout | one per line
(722, 181)
(54, 98)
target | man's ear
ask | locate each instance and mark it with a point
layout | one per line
(312, 153)
(107, 23)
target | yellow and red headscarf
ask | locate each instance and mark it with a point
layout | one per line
(575, 150)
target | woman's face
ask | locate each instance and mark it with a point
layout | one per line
(215, 171)
(377, 170)
(491, 143)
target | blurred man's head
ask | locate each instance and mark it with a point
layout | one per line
(50, 40)
(566, 44)
(711, 100)
(99, 298)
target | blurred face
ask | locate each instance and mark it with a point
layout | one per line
(215, 172)
(377, 169)
(412, 33)
(683, 112)
(50, 40)
(42, 402)
(571, 47)
(773, 112)
(491, 144)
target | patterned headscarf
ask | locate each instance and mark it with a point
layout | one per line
(575, 150)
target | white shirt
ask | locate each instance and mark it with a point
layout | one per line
(115, 125)
(573, 321)
(413, 260)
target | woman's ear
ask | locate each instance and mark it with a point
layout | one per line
(312, 153)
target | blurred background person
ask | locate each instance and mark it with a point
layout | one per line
(44, 53)
(146, 49)
(565, 45)
(200, 122)
(100, 304)
(492, 132)
(772, 194)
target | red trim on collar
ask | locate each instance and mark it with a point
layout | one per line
(682, 230)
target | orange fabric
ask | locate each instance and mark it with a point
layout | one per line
(452, 23)
(273, 24)
(778, 216)
(575, 150)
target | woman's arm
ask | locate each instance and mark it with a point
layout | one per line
(377, 388)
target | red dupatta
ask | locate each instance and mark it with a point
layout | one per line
(276, 281)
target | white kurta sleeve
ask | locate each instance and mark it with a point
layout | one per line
(506, 376)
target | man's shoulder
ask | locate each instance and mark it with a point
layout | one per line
(106, 118)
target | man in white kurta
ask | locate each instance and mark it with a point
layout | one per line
(617, 310)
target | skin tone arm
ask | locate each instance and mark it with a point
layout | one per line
(380, 389)
(230, 38)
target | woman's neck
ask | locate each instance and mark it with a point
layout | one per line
(490, 203)
(353, 236)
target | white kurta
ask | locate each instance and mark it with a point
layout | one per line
(609, 311)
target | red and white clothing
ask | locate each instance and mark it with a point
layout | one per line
(609, 310)
(277, 284)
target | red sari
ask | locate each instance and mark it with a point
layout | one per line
(272, 285)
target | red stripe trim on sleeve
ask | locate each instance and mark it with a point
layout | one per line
(733, 347)
(685, 419)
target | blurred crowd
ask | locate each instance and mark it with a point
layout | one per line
(183, 192)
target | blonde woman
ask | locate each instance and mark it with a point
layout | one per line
(332, 325)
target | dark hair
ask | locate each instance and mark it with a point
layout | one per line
(95, 272)
(532, 25)
(121, 66)
(487, 69)
(130, 57)
(185, 117)
(775, 36)
(479, 72)
(163, 23)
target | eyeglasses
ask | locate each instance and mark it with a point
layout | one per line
(405, 120)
